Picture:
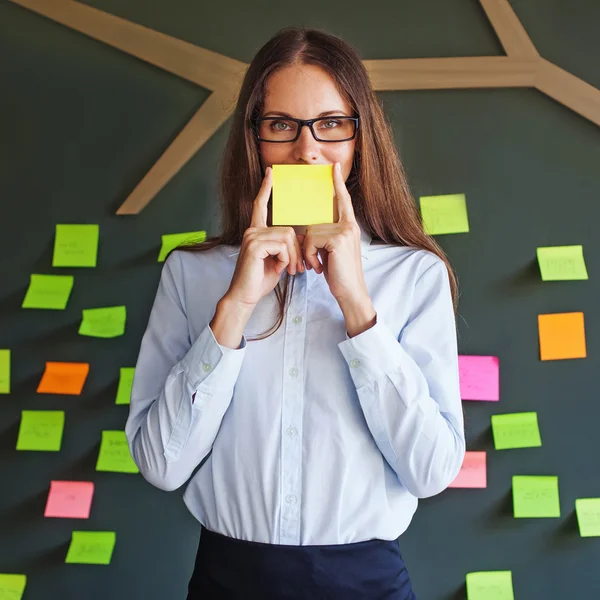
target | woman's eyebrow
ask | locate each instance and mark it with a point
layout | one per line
(323, 114)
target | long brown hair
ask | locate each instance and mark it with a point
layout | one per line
(382, 200)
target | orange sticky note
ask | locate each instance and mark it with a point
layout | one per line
(473, 472)
(562, 335)
(69, 499)
(63, 378)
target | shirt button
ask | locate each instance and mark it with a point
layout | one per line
(354, 362)
(297, 319)
(292, 431)
(290, 499)
(206, 367)
(293, 372)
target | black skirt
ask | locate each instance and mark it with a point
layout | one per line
(231, 569)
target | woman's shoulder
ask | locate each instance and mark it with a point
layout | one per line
(410, 258)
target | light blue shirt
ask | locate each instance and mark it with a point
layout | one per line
(312, 437)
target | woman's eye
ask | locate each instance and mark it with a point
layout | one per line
(275, 124)
(335, 121)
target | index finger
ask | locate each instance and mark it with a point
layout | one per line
(260, 212)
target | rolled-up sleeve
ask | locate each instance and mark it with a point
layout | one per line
(409, 387)
(181, 388)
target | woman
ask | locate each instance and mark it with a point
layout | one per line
(315, 438)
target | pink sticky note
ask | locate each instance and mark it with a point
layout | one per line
(479, 377)
(69, 499)
(473, 472)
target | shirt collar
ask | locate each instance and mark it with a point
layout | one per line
(365, 242)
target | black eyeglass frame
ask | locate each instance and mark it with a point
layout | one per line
(301, 123)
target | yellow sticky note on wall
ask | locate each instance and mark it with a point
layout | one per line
(561, 263)
(444, 214)
(303, 195)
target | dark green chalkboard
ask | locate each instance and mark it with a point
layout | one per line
(81, 123)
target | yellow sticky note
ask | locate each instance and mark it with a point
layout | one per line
(516, 430)
(103, 322)
(561, 263)
(12, 586)
(561, 335)
(444, 214)
(4, 371)
(91, 547)
(76, 246)
(303, 195)
(172, 240)
(125, 385)
(490, 585)
(114, 454)
(535, 496)
(41, 430)
(588, 516)
(48, 291)
(63, 378)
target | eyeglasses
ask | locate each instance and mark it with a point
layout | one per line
(287, 129)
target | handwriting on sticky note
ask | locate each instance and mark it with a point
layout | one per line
(516, 430)
(303, 195)
(12, 586)
(561, 336)
(76, 246)
(63, 378)
(444, 214)
(69, 499)
(479, 377)
(588, 516)
(473, 471)
(561, 263)
(125, 385)
(172, 240)
(114, 454)
(48, 291)
(535, 496)
(41, 430)
(490, 585)
(91, 547)
(4, 371)
(103, 322)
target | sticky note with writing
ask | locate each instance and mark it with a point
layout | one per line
(91, 547)
(41, 430)
(103, 322)
(76, 246)
(473, 471)
(114, 454)
(303, 195)
(561, 263)
(535, 496)
(444, 214)
(479, 377)
(69, 499)
(12, 586)
(588, 516)
(516, 430)
(490, 585)
(48, 291)
(125, 385)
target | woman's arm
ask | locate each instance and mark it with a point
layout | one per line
(181, 389)
(409, 388)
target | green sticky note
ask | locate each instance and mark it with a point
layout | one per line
(4, 371)
(76, 246)
(172, 240)
(103, 322)
(535, 496)
(48, 291)
(561, 263)
(444, 214)
(114, 454)
(12, 586)
(125, 385)
(516, 430)
(303, 195)
(41, 430)
(91, 547)
(490, 585)
(588, 516)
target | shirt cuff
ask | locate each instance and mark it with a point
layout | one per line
(205, 355)
(372, 354)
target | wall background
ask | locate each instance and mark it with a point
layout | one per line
(82, 123)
